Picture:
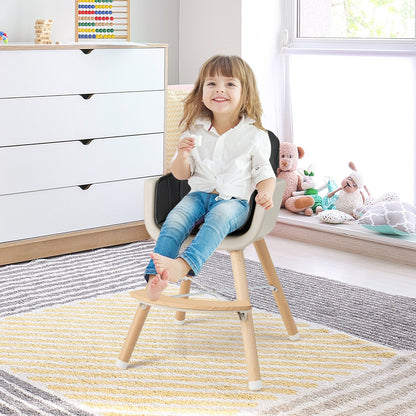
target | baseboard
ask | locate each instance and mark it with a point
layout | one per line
(35, 248)
(352, 238)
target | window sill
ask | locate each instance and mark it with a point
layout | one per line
(364, 47)
(347, 237)
(400, 53)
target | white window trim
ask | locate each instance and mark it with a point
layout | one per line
(359, 49)
(347, 46)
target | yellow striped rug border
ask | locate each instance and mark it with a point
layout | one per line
(196, 369)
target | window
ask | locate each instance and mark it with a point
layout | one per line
(373, 19)
(354, 99)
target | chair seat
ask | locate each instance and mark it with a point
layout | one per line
(262, 221)
(196, 304)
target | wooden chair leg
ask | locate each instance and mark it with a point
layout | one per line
(247, 326)
(132, 336)
(184, 290)
(273, 279)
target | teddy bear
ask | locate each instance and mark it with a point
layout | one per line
(289, 155)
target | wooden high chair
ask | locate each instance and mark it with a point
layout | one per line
(259, 224)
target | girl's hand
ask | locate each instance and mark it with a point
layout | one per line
(264, 199)
(185, 146)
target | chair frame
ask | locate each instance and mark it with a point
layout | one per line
(262, 223)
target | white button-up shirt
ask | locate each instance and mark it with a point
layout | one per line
(232, 163)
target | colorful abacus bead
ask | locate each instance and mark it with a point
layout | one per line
(3, 36)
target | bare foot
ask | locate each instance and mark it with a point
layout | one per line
(177, 268)
(157, 285)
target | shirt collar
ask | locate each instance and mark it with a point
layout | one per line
(206, 123)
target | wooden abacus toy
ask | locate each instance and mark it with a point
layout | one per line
(43, 31)
(102, 19)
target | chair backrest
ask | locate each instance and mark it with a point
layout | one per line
(169, 190)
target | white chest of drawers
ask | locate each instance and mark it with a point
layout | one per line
(81, 127)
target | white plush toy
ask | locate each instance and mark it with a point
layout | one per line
(341, 202)
(349, 194)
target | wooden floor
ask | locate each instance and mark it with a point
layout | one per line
(359, 270)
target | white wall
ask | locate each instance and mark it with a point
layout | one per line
(247, 28)
(152, 21)
(260, 46)
(157, 21)
(207, 28)
(17, 19)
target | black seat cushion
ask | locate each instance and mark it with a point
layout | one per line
(169, 191)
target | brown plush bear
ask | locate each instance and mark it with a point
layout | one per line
(289, 155)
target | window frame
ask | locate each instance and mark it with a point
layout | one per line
(291, 44)
(364, 46)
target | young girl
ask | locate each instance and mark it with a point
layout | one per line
(224, 153)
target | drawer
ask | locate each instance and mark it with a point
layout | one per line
(36, 214)
(50, 119)
(57, 165)
(56, 72)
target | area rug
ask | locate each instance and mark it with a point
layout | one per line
(379, 317)
(65, 319)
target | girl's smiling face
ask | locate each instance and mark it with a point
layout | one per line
(222, 95)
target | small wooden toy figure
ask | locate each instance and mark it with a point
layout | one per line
(3, 36)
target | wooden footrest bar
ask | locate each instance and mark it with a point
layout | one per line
(197, 305)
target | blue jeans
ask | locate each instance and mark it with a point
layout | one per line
(221, 217)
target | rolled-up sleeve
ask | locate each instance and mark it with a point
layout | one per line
(260, 162)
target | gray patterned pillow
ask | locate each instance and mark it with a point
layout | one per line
(388, 217)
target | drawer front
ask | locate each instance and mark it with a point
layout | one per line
(72, 117)
(37, 214)
(57, 165)
(56, 72)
